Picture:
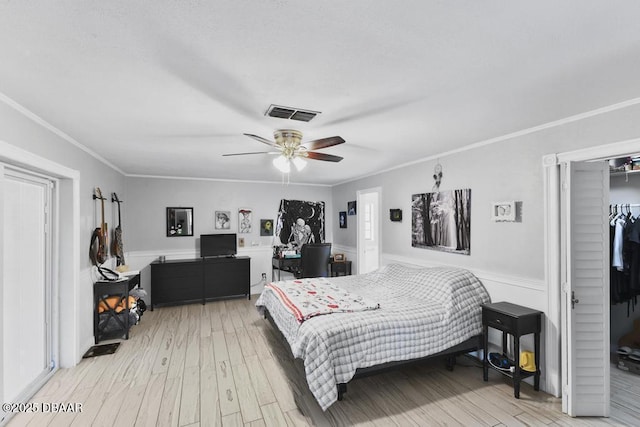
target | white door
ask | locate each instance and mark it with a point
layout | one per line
(585, 296)
(25, 298)
(368, 207)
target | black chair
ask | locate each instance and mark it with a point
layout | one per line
(314, 260)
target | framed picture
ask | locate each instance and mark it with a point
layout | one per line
(244, 220)
(442, 221)
(503, 211)
(395, 215)
(222, 220)
(266, 227)
(339, 258)
(179, 222)
(300, 222)
(342, 217)
(351, 208)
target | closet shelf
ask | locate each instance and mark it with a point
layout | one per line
(620, 173)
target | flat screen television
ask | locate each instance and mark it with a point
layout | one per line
(217, 245)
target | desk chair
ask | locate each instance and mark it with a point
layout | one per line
(314, 260)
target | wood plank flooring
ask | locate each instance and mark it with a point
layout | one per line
(223, 364)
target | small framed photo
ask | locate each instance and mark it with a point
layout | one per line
(395, 215)
(342, 216)
(351, 208)
(503, 211)
(244, 220)
(266, 227)
(222, 220)
(339, 258)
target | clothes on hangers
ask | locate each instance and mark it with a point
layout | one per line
(625, 257)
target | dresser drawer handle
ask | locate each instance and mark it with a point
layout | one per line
(499, 322)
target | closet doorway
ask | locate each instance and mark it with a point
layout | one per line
(580, 382)
(624, 219)
(25, 283)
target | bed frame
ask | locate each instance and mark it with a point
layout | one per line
(472, 344)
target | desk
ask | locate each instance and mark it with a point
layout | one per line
(287, 264)
(292, 265)
(517, 321)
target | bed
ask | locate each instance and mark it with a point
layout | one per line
(407, 314)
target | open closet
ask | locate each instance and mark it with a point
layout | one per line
(624, 220)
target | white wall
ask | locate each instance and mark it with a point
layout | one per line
(30, 135)
(509, 258)
(501, 171)
(146, 200)
(508, 255)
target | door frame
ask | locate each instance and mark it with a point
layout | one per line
(360, 218)
(19, 174)
(65, 261)
(554, 358)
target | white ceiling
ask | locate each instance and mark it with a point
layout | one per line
(164, 88)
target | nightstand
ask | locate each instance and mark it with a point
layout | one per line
(514, 320)
(340, 268)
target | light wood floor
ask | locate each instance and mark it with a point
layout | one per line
(222, 364)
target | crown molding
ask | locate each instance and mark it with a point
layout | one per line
(242, 181)
(39, 120)
(51, 128)
(534, 129)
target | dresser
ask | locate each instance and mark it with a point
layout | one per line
(198, 280)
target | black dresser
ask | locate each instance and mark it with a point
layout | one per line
(199, 280)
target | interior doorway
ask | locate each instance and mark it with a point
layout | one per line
(368, 213)
(26, 324)
(572, 377)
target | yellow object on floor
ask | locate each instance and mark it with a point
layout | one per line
(527, 361)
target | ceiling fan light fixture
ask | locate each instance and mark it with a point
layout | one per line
(282, 164)
(299, 163)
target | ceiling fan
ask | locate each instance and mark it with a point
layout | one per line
(291, 150)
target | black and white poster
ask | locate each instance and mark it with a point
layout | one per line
(442, 221)
(300, 222)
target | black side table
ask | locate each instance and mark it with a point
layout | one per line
(340, 268)
(517, 321)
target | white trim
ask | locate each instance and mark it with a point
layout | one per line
(243, 181)
(51, 128)
(191, 253)
(553, 267)
(551, 202)
(503, 279)
(603, 110)
(473, 146)
(600, 152)
(69, 274)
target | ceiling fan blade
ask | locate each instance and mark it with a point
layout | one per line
(322, 156)
(373, 108)
(261, 139)
(203, 74)
(255, 152)
(324, 143)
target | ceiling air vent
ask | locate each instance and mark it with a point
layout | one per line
(291, 113)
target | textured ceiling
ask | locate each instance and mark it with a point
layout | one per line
(164, 88)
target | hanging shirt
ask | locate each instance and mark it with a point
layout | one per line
(618, 239)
